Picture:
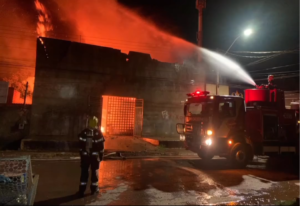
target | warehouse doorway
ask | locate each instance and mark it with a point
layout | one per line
(122, 116)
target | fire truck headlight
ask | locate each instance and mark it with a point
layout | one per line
(209, 132)
(208, 142)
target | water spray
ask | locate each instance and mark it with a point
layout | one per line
(226, 66)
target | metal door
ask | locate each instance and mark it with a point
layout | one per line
(120, 115)
(138, 118)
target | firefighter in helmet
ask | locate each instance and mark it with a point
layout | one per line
(270, 84)
(91, 141)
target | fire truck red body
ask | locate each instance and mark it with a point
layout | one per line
(271, 126)
(238, 129)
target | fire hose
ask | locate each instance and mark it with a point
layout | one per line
(115, 153)
(119, 155)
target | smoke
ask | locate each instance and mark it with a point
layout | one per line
(98, 22)
(107, 23)
(103, 23)
(17, 45)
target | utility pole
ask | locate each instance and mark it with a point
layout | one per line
(218, 79)
(25, 94)
(200, 5)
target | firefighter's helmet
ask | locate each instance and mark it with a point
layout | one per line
(270, 78)
(93, 122)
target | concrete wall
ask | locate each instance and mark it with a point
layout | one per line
(10, 118)
(74, 73)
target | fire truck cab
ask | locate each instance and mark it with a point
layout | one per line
(230, 127)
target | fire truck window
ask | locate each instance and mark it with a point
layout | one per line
(203, 108)
(227, 109)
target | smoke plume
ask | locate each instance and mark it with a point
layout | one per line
(107, 23)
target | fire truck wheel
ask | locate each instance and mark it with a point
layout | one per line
(205, 156)
(240, 156)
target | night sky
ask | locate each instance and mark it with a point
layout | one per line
(275, 23)
(276, 26)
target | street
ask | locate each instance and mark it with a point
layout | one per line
(173, 181)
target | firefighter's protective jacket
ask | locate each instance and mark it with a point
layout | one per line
(91, 143)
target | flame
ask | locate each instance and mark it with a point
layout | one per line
(44, 22)
(103, 23)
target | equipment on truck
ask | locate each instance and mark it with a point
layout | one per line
(230, 127)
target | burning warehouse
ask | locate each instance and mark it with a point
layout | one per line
(132, 93)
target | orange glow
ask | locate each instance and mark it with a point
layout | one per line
(118, 115)
(104, 23)
(209, 132)
(44, 22)
(103, 129)
(17, 95)
(230, 142)
(151, 141)
(109, 24)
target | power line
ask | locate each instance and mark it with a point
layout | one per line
(264, 56)
(258, 52)
(252, 57)
(282, 77)
(267, 58)
(272, 68)
(286, 72)
(4, 47)
(16, 60)
(16, 65)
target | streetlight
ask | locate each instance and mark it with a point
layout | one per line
(246, 33)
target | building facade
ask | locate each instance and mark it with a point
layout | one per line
(132, 94)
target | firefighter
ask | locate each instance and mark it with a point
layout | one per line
(270, 84)
(91, 141)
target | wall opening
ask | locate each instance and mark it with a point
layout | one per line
(122, 116)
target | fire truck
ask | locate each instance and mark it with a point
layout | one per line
(237, 128)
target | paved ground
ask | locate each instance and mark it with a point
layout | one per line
(42, 155)
(174, 181)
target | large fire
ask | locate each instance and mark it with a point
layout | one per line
(44, 22)
(104, 23)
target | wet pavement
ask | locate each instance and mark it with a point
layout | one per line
(170, 181)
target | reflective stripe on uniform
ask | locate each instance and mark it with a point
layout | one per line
(84, 153)
(81, 139)
(99, 140)
(95, 183)
(82, 183)
(95, 153)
